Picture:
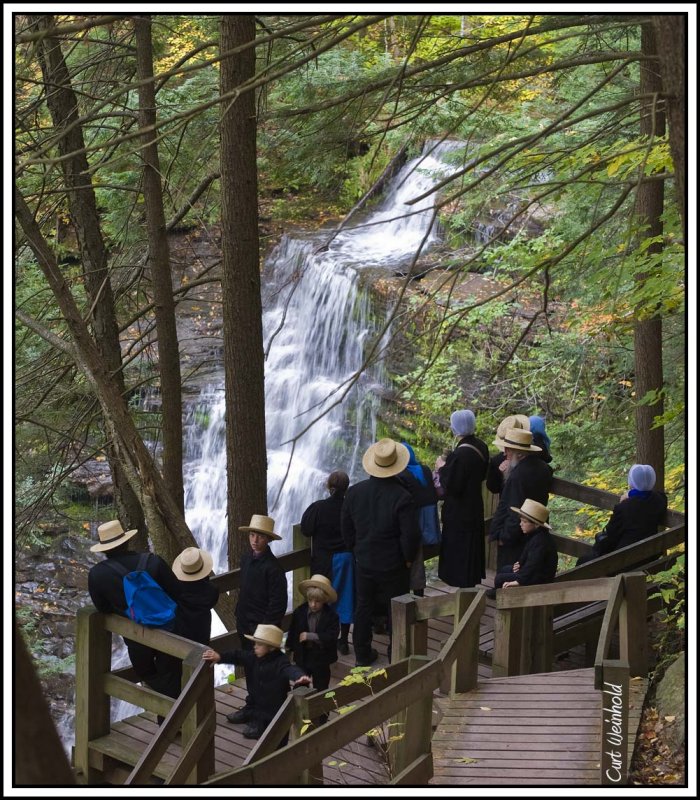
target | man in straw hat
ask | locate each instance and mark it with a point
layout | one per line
(538, 562)
(498, 467)
(262, 598)
(380, 525)
(198, 595)
(313, 631)
(528, 477)
(160, 671)
(268, 675)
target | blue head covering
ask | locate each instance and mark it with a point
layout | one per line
(463, 422)
(537, 427)
(641, 477)
(413, 466)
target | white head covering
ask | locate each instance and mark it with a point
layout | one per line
(463, 422)
(641, 477)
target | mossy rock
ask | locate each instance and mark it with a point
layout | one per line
(670, 701)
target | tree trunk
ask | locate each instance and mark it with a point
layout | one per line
(63, 107)
(159, 257)
(242, 306)
(166, 523)
(671, 39)
(39, 759)
(648, 345)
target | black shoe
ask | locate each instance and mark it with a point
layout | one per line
(253, 732)
(239, 717)
(491, 593)
(373, 656)
(343, 646)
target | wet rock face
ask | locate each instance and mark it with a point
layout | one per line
(670, 702)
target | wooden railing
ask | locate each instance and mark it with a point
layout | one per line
(402, 692)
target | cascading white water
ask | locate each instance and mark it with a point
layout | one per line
(316, 323)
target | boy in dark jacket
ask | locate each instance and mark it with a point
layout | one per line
(198, 595)
(262, 598)
(268, 675)
(538, 562)
(313, 632)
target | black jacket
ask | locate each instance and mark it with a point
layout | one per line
(321, 521)
(634, 519)
(380, 524)
(309, 655)
(262, 599)
(538, 562)
(422, 494)
(193, 614)
(529, 479)
(106, 587)
(267, 679)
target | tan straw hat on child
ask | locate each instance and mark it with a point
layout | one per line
(385, 458)
(270, 635)
(111, 534)
(261, 524)
(319, 582)
(193, 564)
(533, 511)
(517, 439)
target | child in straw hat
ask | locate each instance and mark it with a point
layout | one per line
(313, 631)
(198, 595)
(268, 676)
(538, 562)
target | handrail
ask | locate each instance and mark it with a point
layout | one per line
(201, 677)
(607, 629)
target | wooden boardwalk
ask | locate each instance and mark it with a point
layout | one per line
(359, 763)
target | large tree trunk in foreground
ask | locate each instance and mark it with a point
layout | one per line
(648, 345)
(63, 107)
(242, 306)
(159, 257)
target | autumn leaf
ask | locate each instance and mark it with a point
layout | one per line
(466, 760)
(485, 708)
(671, 718)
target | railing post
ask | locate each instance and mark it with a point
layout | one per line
(314, 775)
(542, 647)
(93, 654)
(403, 617)
(633, 624)
(614, 724)
(299, 542)
(414, 726)
(203, 705)
(507, 638)
(465, 670)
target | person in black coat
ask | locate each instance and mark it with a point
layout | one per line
(538, 562)
(637, 516)
(329, 555)
(313, 632)
(462, 559)
(498, 466)
(198, 595)
(262, 597)
(528, 477)
(160, 671)
(380, 525)
(268, 675)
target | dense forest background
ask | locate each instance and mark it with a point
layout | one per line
(567, 200)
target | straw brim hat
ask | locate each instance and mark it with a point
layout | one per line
(533, 512)
(261, 524)
(111, 535)
(193, 564)
(270, 635)
(319, 582)
(514, 421)
(385, 458)
(517, 439)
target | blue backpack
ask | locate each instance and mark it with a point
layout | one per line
(146, 602)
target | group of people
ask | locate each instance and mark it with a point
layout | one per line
(367, 544)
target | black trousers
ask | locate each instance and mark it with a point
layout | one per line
(160, 671)
(374, 589)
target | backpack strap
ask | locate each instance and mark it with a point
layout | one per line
(119, 568)
(143, 561)
(475, 449)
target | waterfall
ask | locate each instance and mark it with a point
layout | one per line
(317, 322)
